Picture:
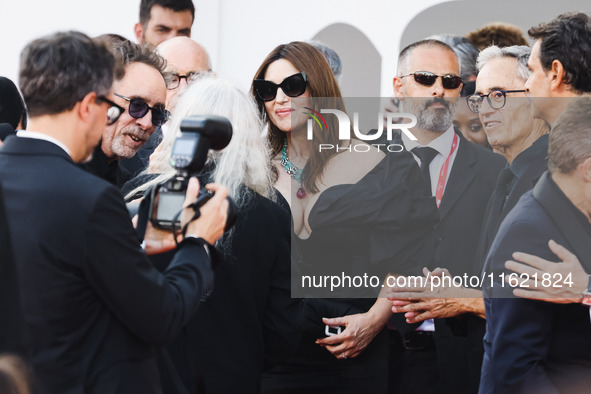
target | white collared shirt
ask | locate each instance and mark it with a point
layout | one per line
(40, 136)
(442, 145)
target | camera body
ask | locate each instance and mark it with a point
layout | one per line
(199, 134)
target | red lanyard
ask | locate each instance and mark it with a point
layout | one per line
(443, 172)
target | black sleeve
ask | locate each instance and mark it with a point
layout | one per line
(154, 306)
(519, 330)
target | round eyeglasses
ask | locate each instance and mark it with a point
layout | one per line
(496, 99)
(174, 80)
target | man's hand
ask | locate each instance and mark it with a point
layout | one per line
(158, 241)
(432, 300)
(421, 309)
(211, 223)
(360, 330)
(569, 267)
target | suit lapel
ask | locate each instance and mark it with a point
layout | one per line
(563, 217)
(525, 183)
(460, 177)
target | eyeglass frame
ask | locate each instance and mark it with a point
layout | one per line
(437, 76)
(166, 113)
(277, 86)
(170, 76)
(482, 96)
(111, 105)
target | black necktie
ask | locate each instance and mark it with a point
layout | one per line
(426, 155)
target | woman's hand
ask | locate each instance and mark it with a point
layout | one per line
(360, 330)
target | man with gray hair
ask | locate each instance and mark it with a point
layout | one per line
(94, 306)
(332, 57)
(511, 129)
(534, 346)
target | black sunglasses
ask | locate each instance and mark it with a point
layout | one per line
(114, 111)
(427, 78)
(496, 99)
(292, 86)
(138, 108)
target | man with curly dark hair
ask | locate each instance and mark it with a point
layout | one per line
(560, 63)
(500, 34)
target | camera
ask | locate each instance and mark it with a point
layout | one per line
(199, 134)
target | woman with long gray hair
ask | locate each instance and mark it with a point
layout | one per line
(248, 322)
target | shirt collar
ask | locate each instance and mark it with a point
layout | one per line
(441, 144)
(40, 136)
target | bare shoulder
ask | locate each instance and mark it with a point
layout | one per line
(351, 165)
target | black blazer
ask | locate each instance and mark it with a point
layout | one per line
(471, 181)
(537, 163)
(536, 346)
(11, 321)
(93, 304)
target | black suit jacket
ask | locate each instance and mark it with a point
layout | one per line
(93, 304)
(11, 323)
(471, 181)
(536, 162)
(536, 346)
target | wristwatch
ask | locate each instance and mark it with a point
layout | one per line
(587, 294)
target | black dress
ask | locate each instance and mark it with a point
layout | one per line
(383, 223)
(247, 322)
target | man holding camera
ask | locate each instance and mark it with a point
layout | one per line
(94, 306)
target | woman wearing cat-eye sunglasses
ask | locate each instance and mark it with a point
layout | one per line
(329, 197)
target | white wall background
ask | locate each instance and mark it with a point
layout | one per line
(239, 33)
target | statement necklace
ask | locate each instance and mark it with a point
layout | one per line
(293, 171)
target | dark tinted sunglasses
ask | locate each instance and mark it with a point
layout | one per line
(138, 108)
(114, 111)
(427, 78)
(292, 86)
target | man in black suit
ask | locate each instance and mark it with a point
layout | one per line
(512, 129)
(94, 306)
(461, 176)
(534, 346)
(11, 329)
